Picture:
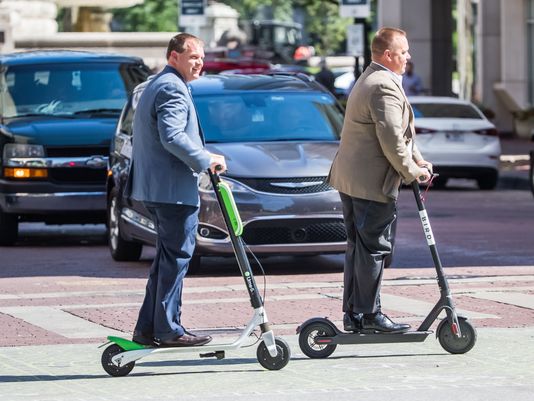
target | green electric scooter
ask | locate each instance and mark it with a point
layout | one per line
(273, 353)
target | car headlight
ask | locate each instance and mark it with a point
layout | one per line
(204, 184)
(22, 150)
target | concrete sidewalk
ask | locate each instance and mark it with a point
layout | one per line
(498, 367)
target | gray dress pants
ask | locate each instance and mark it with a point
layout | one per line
(369, 241)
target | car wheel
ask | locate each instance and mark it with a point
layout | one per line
(194, 265)
(9, 229)
(121, 250)
(488, 181)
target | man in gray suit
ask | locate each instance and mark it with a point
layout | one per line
(168, 154)
(377, 152)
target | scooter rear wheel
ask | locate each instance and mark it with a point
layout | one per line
(307, 340)
(110, 367)
(451, 342)
(280, 360)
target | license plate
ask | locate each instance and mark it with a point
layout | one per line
(454, 137)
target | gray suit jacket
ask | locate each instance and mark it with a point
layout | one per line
(168, 150)
(377, 147)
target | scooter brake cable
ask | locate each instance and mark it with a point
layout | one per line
(428, 185)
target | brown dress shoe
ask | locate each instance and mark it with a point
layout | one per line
(186, 340)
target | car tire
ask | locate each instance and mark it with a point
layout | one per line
(9, 229)
(488, 182)
(121, 250)
(194, 265)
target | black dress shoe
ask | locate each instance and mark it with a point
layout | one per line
(378, 322)
(143, 339)
(186, 340)
(352, 322)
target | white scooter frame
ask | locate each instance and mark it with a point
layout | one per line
(273, 353)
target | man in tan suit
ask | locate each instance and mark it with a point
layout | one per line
(377, 152)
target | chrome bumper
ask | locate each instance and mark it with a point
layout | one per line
(40, 203)
(220, 247)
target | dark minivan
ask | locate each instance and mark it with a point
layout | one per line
(279, 134)
(58, 112)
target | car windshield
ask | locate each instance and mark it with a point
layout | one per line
(444, 110)
(266, 116)
(61, 89)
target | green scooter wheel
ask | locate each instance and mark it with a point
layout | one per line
(110, 367)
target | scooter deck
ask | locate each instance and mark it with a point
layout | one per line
(374, 338)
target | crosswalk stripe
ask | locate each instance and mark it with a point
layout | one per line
(59, 322)
(511, 298)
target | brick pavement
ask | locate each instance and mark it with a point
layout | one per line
(74, 310)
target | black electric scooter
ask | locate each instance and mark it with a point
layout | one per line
(319, 337)
(273, 353)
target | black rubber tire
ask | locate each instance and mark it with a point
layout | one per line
(488, 182)
(120, 249)
(451, 343)
(194, 265)
(280, 360)
(9, 229)
(109, 367)
(307, 340)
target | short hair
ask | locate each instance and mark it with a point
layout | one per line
(383, 39)
(177, 43)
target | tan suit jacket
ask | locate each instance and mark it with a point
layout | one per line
(377, 148)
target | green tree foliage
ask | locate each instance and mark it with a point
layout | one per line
(249, 9)
(326, 29)
(324, 25)
(150, 16)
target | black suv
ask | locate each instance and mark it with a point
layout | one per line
(58, 112)
(279, 134)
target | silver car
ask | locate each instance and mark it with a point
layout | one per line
(279, 134)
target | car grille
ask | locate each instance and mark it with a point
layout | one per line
(77, 151)
(77, 175)
(294, 231)
(302, 185)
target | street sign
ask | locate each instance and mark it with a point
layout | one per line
(355, 8)
(192, 13)
(355, 40)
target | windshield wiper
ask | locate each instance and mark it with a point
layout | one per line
(97, 111)
(40, 115)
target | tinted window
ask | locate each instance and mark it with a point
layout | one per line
(252, 117)
(444, 110)
(62, 88)
(126, 122)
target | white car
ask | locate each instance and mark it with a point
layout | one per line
(457, 139)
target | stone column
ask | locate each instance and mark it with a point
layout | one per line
(415, 17)
(32, 17)
(6, 31)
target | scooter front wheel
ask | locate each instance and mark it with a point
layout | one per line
(307, 340)
(451, 342)
(280, 360)
(110, 367)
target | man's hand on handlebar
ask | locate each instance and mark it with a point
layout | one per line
(424, 177)
(217, 164)
(426, 173)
